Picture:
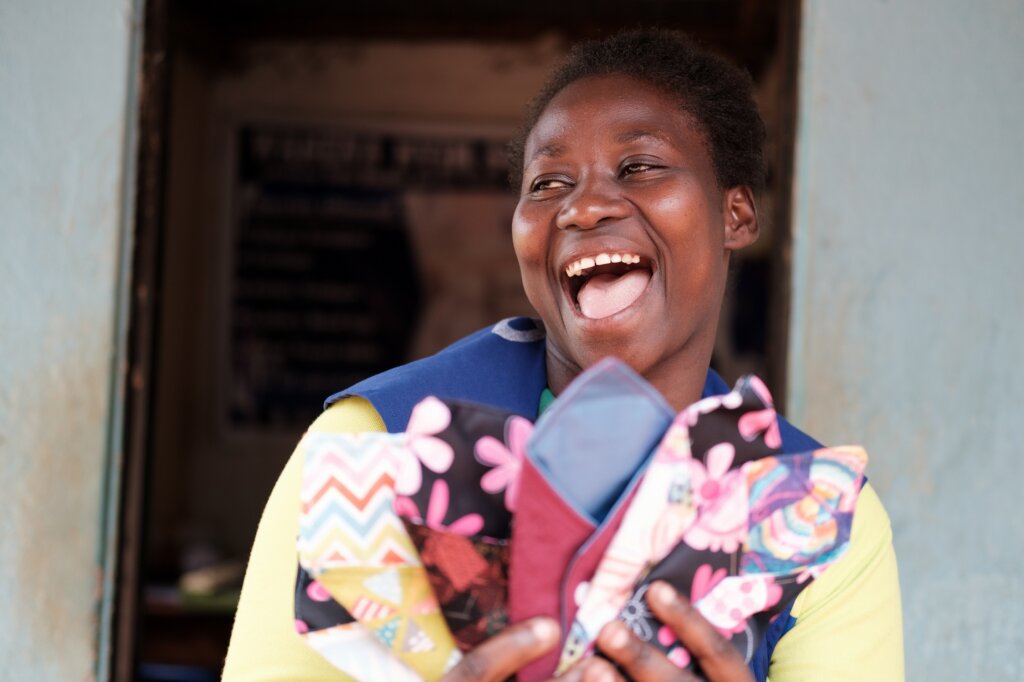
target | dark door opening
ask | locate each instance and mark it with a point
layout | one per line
(289, 151)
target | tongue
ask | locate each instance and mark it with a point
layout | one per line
(605, 295)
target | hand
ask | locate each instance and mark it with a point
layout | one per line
(718, 658)
(503, 655)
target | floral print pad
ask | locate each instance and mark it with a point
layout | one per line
(469, 577)
(726, 519)
(391, 558)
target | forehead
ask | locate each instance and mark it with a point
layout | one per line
(614, 108)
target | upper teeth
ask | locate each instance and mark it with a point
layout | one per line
(577, 267)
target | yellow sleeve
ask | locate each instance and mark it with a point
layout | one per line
(849, 624)
(264, 645)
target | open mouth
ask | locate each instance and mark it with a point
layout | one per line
(607, 283)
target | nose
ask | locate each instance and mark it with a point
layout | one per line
(591, 202)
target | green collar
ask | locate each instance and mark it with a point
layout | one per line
(546, 398)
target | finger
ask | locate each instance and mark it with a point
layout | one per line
(718, 658)
(503, 655)
(641, 661)
(600, 670)
(591, 669)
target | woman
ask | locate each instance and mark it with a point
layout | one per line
(637, 168)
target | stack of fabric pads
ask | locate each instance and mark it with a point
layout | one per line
(417, 546)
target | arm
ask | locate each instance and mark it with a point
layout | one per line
(264, 644)
(849, 623)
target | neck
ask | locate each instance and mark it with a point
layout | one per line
(679, 380)
(682, 384)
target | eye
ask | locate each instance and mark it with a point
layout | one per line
(548, 183)
(635, 167)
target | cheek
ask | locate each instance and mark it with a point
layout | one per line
(684, 210)
(531, 242)
(692, 232)
(688, 223)
(528, 240)
(530, 245)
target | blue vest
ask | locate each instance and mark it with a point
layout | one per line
(504, 366)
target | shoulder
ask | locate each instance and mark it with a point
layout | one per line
(348, 415)
(501, 365)
(264, 643)
(849, 620)
(869, 550)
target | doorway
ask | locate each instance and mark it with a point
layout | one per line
(290, 154)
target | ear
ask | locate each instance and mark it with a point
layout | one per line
(741, 227)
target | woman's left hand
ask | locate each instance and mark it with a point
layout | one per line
(718, 658)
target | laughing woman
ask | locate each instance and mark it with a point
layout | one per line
(637, 168)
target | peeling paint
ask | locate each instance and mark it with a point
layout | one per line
(53, 470)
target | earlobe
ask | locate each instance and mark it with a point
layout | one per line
(741, 225)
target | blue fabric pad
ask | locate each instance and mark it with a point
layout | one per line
(597, 435)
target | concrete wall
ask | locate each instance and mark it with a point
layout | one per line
(65, 74)
(908, 321)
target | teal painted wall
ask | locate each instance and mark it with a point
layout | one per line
(65, 76)
(908, 324)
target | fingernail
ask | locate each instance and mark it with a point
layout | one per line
(544, 629)
(662, 593)
(575, 674)
(619, 637)
(594, 670)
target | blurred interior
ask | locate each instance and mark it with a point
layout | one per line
(323, 195)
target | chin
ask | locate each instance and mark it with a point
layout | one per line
(621, 341)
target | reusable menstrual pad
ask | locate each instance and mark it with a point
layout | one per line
(417, 546)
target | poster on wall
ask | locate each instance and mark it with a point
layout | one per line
(324, 285)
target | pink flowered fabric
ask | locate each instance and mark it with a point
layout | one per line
(721, 494)
(727, 518)
(720, 512)
(506, 460)
(428, 419)
(437, 511)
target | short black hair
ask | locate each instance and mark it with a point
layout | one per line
(716, 93)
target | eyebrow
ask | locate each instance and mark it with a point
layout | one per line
(636, 135)
(555, 149)
(550, 150)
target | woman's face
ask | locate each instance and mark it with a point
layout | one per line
(622, 232)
